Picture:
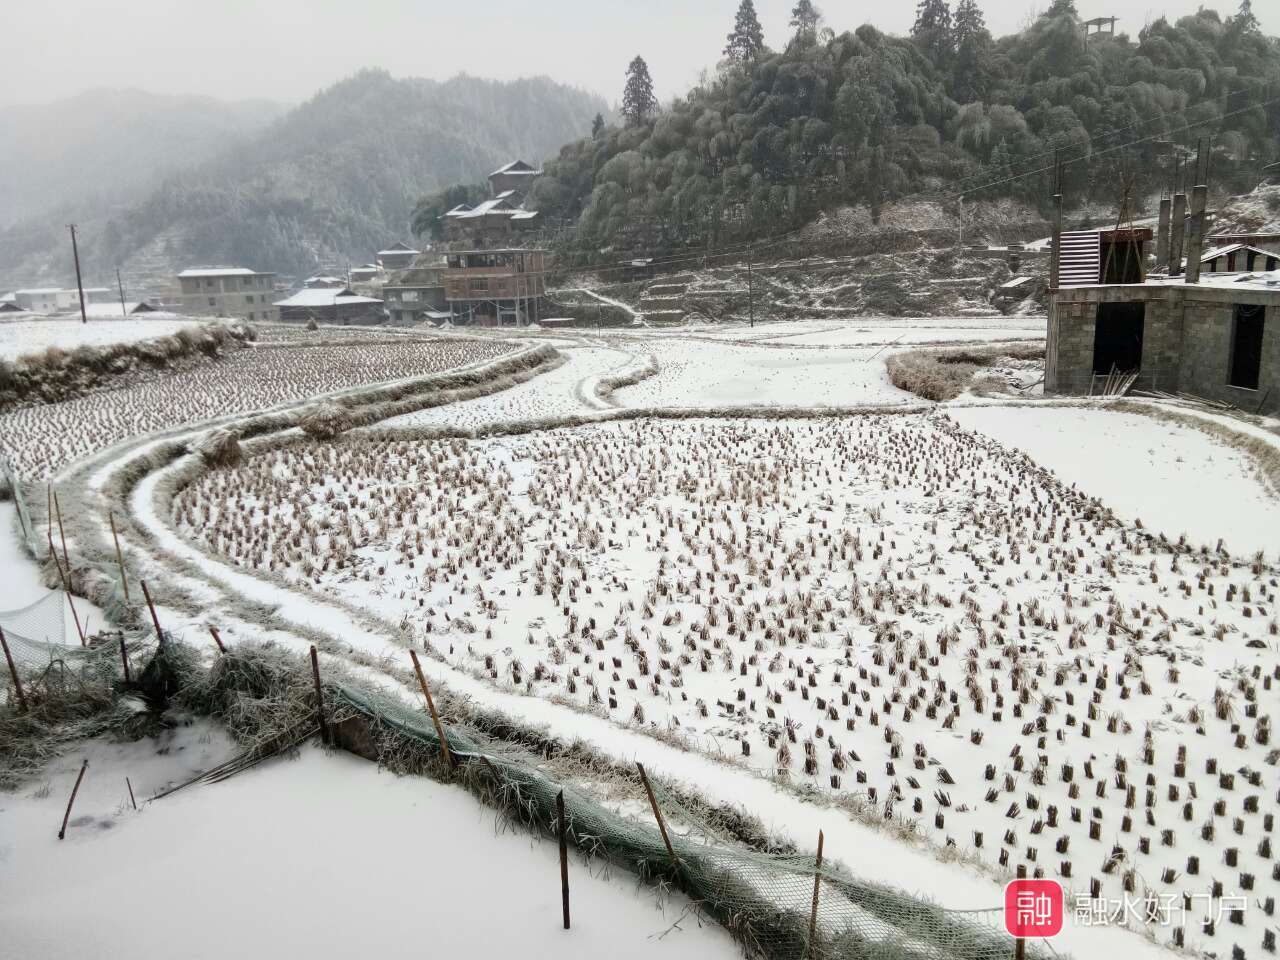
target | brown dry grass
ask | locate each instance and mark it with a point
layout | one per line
(945, 374)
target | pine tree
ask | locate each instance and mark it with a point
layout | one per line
(747, 39)
(805, 17)
(638, 101)
(1245, 21)
(597, 125)
(970, 39)
(932, 30)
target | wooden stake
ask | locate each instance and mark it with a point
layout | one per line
(315, 674)
(130, 786)
(431, 705)
(218, 640)
(62, 534)
(155, 619)
(124, 580)
(817, 883)
(564, 857)
(124, 660)
(657, 815)
(66, 588)
(13, 672)
(74, 790)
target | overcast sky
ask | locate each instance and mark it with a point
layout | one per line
(288, 49)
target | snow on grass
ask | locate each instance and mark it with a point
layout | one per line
(1175, 479)
(23, 587)
(700, 373)
(321, 857)
(884, 609)
(19, 337)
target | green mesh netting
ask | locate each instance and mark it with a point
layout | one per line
(763, 899)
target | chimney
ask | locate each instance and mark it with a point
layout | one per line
(1162, 235)
(1177, 226)
(1195, 240)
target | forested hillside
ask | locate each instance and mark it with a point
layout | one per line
(331, 182)
(834, 119)
(107, 147)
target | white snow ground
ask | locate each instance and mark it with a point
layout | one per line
(1173, 478)
(320, 857)
(20, 337)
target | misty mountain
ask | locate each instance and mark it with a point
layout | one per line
(108, 147)
(330, 182)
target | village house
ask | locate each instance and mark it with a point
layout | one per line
(228, 292)
(513, 179)
(58, 299)
(417, 295)
(398, 256)
(495, 287)
(330, 305)
(1239, 258)
(1214, 335)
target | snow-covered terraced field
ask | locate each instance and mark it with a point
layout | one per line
(41, 440)
(19, 337)
(891, 609)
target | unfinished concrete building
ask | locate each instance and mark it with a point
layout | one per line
(1215, 336)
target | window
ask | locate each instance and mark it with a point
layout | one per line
(409, 296)
(248, 298)
(480, 285)
(1246, 346)
(213, 301)
(250, 314)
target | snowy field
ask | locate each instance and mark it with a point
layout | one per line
(1174, 479)
(886, 608)
(19, 337)
(319, 857)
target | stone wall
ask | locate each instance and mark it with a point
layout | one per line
(1186, 344)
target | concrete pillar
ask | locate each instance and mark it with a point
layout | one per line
(1162, 234)
(1195, 228)
(1055, 255)
(1177, 226)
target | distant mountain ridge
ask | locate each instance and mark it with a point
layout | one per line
(329, 182)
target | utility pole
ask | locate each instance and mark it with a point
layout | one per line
(75, 252)
(751, 289)
(961, 201)
(120, 286)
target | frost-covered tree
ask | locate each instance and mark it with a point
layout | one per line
(932, 30)
(638, 101)
(597, 125)
(805, 17)
(747, 39)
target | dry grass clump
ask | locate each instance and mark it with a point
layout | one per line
(940, 375)
(326, 420)
(220, 448)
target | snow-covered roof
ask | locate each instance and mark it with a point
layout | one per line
(1234, 248)
(398, 247)
(218, 272)
(524, 214)
(516, 166)
(38, 292)
(323, 298)
(1015, 282)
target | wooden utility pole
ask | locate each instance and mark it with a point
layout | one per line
(564, 857)
(120, 286)
(751, 288)
(75, 252)
(13, 672)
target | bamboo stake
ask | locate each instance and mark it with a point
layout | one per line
(657, 815)
(218, 640)
(131, 799)
(13, 672)
(62, 534)
(817, 883)
(124, 660)
(66, 588)
(124, 580)
(74, 790)
(152, 607)
(1020, 945)
(564, 857)
(431, 705)
(315, 674)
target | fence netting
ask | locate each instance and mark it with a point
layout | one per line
(764, 899)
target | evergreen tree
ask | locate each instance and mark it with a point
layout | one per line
(970, 39)
(638, 101)
(932, 30)
(597, 125)
(747, 39)
(805, 17)
(1245, 21)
